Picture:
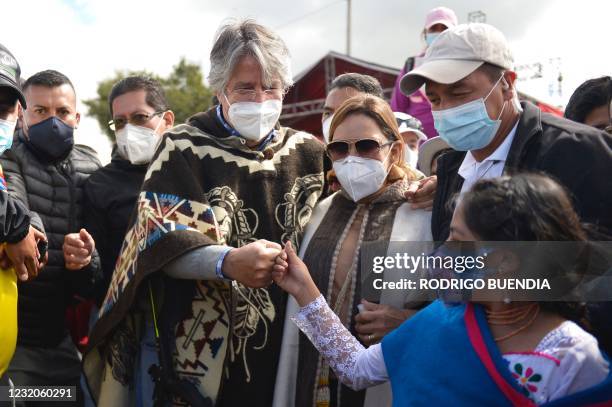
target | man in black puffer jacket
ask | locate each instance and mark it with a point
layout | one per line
(46, 172)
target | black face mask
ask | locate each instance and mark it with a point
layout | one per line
(51, 139)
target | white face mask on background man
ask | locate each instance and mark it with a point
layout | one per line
(138, 144)
(254, 120)
(411, 157)
(326, 126)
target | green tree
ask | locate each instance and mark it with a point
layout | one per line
(184, 87)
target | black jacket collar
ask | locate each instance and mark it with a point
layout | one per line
(529, 125)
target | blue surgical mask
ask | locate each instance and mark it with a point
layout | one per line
(430, 38)
(7, 128)
(468, 126)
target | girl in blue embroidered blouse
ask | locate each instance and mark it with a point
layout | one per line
(499, 353)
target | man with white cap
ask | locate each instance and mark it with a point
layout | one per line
(437, 20)
(429, 152)
(411, 130)
(468, 78)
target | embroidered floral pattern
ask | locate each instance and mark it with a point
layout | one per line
(340, 349)
(526, 378)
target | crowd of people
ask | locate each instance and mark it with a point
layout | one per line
(221, 256)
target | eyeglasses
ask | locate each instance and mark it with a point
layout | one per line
(250, 95)
(337, 150)
(138, 119)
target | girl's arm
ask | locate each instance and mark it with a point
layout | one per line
(355, 366)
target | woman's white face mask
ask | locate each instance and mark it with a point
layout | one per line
(361, 177)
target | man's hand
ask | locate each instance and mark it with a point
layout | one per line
(421, 193)
(252, 264)
(24, 255)
(78, 248)
(376, 320)
(5, 262)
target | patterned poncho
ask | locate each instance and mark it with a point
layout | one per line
(205, 187)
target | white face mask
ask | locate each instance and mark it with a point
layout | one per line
(254, 120)
(138, 144)
(411, 157)
(360, 177)
(325, 126)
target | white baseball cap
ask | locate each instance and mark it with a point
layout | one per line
(406, 123)
(427, 151)
(456, 53)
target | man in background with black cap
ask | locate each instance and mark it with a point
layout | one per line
(15, 230)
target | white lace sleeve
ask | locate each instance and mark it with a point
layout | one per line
(355, 366)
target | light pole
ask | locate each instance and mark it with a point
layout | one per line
(348, 27)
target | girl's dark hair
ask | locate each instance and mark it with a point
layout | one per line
(525, 207)
(521, 207)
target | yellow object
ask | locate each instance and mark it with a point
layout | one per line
(8, 317)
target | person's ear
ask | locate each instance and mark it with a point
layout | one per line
(78, 120)
(168, 118)
(508, 84)
(221, 97)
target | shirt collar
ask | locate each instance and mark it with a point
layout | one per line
(500, 154)
(235, 133)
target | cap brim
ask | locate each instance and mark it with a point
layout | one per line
(9, 84)
(444, 71)
(427, 150)
(444, 21)
(419, 133)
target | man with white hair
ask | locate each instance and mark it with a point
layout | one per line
(469, 80)
(194, 275)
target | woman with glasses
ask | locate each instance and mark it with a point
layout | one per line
(367, 153)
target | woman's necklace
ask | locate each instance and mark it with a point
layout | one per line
(512, 316)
